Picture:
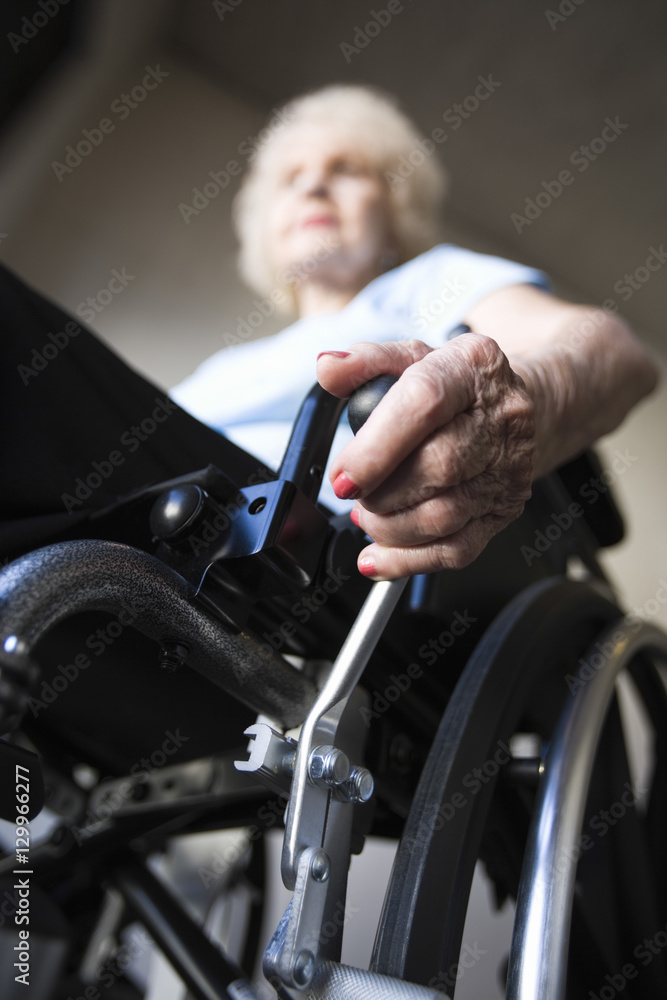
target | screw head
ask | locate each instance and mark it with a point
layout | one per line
(304, 967)
(320, 866)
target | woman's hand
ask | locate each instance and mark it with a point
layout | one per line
(444, 462)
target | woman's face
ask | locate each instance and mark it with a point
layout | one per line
(328, 219)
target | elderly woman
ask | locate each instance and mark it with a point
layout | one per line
(334, 228)
(331, 228)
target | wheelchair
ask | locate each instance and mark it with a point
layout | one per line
(472, 715)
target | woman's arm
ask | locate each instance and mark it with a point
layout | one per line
(448, 457)
(582, 366)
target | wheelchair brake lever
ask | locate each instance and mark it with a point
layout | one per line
(310, 441)
(269, 538)
(318, 819)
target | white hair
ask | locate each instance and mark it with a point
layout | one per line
(415, 177)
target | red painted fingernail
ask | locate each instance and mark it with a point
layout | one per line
(334, 354)
(367, 567)
(345, 488)
(355, 516)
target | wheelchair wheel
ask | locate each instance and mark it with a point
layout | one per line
(474, 802)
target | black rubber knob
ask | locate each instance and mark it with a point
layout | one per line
(175, 510)
(364, 399)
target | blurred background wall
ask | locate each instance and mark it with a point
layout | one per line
(185, 86)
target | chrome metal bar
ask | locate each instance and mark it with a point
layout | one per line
(306, 814)
(538, 957)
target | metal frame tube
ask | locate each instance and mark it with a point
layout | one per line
(44, 587)
(205, 970)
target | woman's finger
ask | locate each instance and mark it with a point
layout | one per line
(453, 454)
(379, 562)
(341, 372)
(445, 514)
(430, 393)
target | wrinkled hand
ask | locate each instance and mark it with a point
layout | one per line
(446, 459)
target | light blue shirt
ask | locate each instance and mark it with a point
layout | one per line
(252, 391)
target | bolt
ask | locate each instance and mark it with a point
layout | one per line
(328, 765)
(362, 782)
(525, 770)
(320, 866)
(359, 786)
(304, 968)
(173, 655)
